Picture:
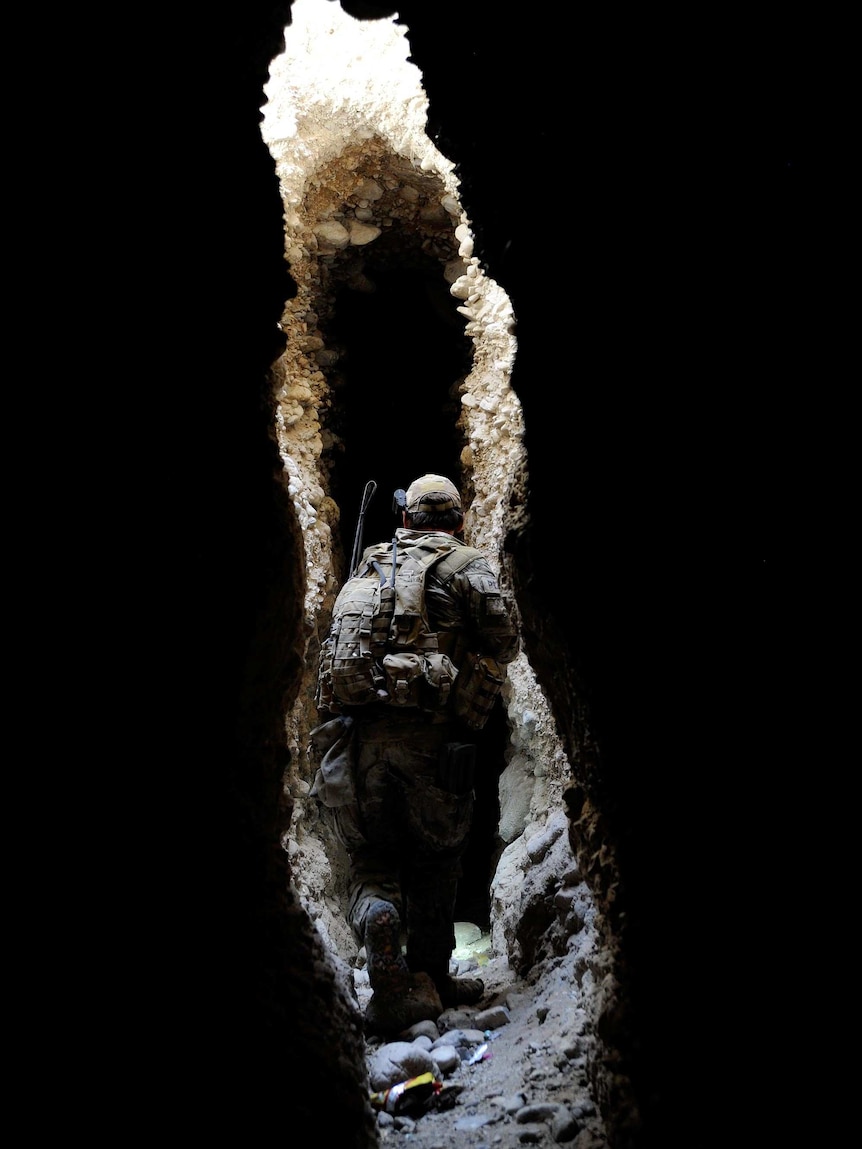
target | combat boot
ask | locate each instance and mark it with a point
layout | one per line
(452, 990)
(382, 935)
(458, 990)
(400, 998)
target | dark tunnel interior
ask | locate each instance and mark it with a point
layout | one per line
(396, 401)
(403, 353)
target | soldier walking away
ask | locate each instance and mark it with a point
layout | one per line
(397, 770)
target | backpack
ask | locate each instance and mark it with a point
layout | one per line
(380, 647)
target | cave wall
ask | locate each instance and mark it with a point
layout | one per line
(660, 308)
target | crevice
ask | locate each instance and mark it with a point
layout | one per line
(400, 351)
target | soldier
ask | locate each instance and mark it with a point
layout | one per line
(404, 806)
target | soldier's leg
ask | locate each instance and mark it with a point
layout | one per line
(364, 828)
(438, 815)
(400, 997)
(431, 893)
(372, 877)
(441, 822)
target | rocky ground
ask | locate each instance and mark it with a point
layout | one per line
(507, 1072)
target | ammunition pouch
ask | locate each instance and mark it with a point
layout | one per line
(418, 679)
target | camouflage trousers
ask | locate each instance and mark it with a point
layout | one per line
(404, 835)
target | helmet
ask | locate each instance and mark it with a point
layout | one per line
(428, 485)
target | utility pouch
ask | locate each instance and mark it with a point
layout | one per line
(332, 743)
(456, 767)
(479, 681)
(403, 678)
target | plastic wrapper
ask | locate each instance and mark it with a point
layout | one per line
(413, 1095)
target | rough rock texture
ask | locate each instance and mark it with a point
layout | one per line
(368, 196)
(627, 186)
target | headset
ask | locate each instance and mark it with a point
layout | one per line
(399, 501)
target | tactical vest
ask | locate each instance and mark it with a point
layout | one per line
(380, 647)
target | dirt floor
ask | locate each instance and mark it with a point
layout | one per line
(520, 1077)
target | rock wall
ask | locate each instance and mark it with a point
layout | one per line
(626, 207)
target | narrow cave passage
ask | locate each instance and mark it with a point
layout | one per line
(369, 386)
(396, 403)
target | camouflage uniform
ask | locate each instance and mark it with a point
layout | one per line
(404, 834)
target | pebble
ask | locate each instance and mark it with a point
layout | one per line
(444, 1054)
(475, 1104)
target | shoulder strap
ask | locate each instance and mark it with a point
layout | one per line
(371, 559)
(450, 559)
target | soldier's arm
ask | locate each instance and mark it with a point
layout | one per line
(491, 630)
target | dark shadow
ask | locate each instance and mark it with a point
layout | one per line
(403, 353)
